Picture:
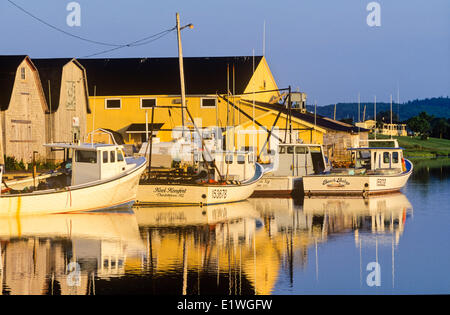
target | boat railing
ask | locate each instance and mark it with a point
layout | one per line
(89, 138)
(367, 142)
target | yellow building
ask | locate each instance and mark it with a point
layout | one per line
(123, 92)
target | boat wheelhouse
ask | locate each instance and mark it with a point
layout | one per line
(378, 167)
(93, 177)
(293, 161)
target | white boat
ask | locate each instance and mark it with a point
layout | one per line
(294, 162)
(377, 169)
(171, 190)
(100, 177)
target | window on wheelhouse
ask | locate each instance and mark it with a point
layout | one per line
(282, 150)
(386, 157)
(301, 150)
(290, 150)
(112, 156)
(120, 156)
(241, 159)
(229, 159)
(395, 157)
(86, 156)
(105, 156)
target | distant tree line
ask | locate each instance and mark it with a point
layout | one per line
(429, 126)
(437, 106)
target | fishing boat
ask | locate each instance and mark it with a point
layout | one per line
(200, 182)
(378, 168)
(195, 186)
(96, 177)
(284, 176)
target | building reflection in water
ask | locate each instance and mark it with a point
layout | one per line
(36, 251)
(239, 248)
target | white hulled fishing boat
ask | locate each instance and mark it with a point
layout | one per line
(201, 182)
(201, 187)
(379, 167)
(96, 177)
(294, 160)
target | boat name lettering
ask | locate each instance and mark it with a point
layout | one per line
(335, 180)
(170, 190)
(381, 182)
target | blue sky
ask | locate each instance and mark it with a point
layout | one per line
(324, 48)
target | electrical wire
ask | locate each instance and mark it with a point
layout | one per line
(59, 29)
(143, 41)
(134, 44)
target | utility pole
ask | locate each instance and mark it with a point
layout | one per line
(180, 61)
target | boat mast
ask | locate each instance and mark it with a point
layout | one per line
(391, 118)
(375, 115)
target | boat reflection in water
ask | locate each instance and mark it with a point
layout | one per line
(259, 246)
(377, 215)
(296, 230)
(63, 253)
(205, 250)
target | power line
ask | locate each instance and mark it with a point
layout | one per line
(139, 42)
(59, 29)
(133, 44)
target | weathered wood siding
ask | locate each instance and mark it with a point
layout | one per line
(71, 114)
(24, 120)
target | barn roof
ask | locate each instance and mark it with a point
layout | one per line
(321, 121)
(50, 72)
(8, 69)
(161, 76)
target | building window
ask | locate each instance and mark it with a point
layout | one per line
(113, 103)
(148, 103)
(71, 100)
(22, 73)
(208, 102)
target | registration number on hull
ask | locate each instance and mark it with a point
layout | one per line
(219, 193)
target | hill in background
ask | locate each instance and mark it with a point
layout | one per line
(437, 106)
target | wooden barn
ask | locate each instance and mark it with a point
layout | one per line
(23, 109)
(65, 88)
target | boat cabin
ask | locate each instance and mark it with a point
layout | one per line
(234, 165)
(299, 159)
(90, 162)
(379, 156)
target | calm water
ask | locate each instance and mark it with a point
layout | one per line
(262, 246)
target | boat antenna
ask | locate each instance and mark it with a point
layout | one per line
(392, 127)
(375, 115)
(359, 117)
(93, 115)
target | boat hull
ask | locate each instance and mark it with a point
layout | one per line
(278, 186)
(196, 194)
(100, 195)
(332, 184)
